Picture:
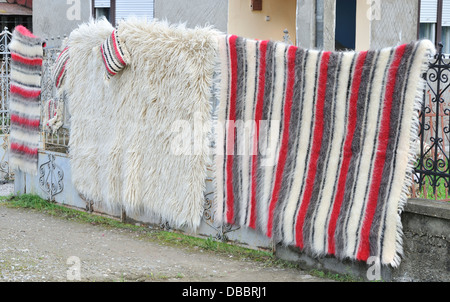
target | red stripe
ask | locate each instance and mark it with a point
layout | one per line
(60, 74)
(27, 93)
(258, 116)
(116, 50)
(347, 152)
(231, 129)
(284, 143)
(24, 121)
(62, 52)
(315, 150)
(27, 61)
(23, 149)
(24, 31)
(383, 140)
(104, 60)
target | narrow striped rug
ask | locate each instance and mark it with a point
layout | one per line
(25, 89)
(314, 148)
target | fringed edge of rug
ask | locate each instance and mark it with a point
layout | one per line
(414, 136)
(215, 95)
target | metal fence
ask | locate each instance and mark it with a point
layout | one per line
(56, 141)
(5, 63)
(432, 171)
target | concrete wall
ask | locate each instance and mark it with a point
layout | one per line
(394, 24)
(379, 24)
(194, 12)
(69, 196)
(242, 21)
(52, 18)
(306, 24)
(329, 24)
(426, 245)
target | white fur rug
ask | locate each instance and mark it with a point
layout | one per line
(127, 133)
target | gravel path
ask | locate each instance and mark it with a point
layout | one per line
(38, 247)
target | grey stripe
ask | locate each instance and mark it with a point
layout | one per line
(343, 220)
(349, 84)
(29, 86)
(262, 140)
(356, 144)
(225, 193)
(237, 159)
(17, 98)
(109, 58)
(280, 215)
(294, 132)
(308, 151)
(324, 149)
(328, 157)
(256, 67)
(26, 68)
(375, 140)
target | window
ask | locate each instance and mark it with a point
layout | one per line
(104, 8)
(435, 22)
(345, 24)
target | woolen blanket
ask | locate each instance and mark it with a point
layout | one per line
(126, 132)
(315, 149)
(25, 90)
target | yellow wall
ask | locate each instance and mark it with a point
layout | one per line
(242, 21)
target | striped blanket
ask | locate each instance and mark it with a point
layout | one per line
(314, 149)
(26, 67)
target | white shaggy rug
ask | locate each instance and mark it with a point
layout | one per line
(130, 142)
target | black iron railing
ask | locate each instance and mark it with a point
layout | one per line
(432, 171)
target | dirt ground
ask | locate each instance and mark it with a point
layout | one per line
(38, 247)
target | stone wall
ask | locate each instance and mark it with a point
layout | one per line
(426, 244)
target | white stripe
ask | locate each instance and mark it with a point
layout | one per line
(320, 224)
(294, 195)
(26, 50)
(219, 128)
(269, 162)
(28, 138)
(393, 221)
(365, 171)
(250, 46)
(24, 78)
(32, 110)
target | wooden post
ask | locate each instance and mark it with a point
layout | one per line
(123, 215)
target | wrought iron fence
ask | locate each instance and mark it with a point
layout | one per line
(5, 66)
(56, 141)
(432, 170)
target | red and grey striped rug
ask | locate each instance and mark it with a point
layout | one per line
(313, 148)
(25, 89)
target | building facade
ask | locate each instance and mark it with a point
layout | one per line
(320, 24)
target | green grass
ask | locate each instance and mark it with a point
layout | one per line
(172, 238)
(427, 191)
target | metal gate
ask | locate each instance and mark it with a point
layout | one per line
(5, 171)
